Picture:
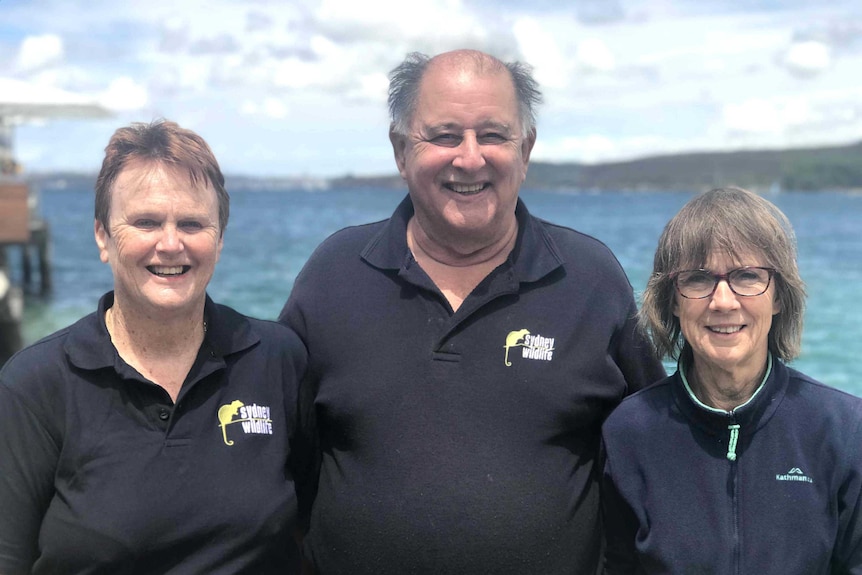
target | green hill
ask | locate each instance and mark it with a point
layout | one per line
(798, 169)
(804, 169)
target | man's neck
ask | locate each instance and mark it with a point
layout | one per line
(456, 270)
(462, 250)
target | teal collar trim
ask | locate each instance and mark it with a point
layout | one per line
(702, 405)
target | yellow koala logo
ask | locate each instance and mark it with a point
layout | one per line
(515, 339)
(226, 414)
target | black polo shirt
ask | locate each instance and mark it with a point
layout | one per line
(100, 472)
(463, 442)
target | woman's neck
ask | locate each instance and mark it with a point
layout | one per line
(161, 350)
(160, 335)
(723, 389)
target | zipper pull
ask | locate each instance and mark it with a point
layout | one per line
(731, 445)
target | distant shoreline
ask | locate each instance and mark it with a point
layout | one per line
(764, 171)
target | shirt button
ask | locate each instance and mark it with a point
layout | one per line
(164, 414)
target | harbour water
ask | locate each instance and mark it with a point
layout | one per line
(272, 233)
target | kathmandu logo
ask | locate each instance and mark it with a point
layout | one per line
(794, 474)
(255, 419)
(532, 346)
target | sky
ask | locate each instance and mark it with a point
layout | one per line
(297, 88)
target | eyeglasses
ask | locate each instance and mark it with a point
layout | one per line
(748, 281)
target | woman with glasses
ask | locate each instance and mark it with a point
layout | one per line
(736, 463)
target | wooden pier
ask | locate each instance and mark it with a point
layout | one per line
(20, 229)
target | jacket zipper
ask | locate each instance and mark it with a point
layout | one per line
(733, 440)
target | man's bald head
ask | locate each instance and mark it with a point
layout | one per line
(406, 83)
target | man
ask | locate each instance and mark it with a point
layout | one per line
(463, 354)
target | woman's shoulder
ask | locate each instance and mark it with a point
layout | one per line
(820, 399)
(42, 362)
(236, 327)
(35, 380)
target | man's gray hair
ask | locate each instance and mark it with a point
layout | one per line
(405, 79)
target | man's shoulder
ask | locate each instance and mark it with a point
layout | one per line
(336, 259)
(351, 236)
(344, 245)
(277, 335)
(569, 239)
(642, 409)
(578, 250)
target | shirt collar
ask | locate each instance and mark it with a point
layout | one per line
(89, 344)
(751, 415)
(702, 405)
(534, 256)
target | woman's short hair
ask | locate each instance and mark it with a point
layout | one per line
(737, 222)
(164, 143)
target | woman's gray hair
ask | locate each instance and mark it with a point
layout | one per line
(739, 223)
(405, 79)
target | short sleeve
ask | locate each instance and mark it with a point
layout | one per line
(28, 459)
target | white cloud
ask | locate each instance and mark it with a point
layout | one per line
(769, 116)
(193, 74)
(391, 19)
(274, 108)
(124, 94)
(371, 88)
(248, 108)
(270, 107)
(595, 148)
(675, 76)
(551, 66)
(588, 148)
(38, 51)
(808, 58)
(593, 54)
(297, 74)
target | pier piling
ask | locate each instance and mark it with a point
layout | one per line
(22, 228)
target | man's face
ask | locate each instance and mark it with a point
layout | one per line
(465, 156)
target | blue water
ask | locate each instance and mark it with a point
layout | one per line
(271, 234)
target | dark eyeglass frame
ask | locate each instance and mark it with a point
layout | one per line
(726, 277)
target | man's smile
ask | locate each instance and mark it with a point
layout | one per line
(467, 189)
(168, 271)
